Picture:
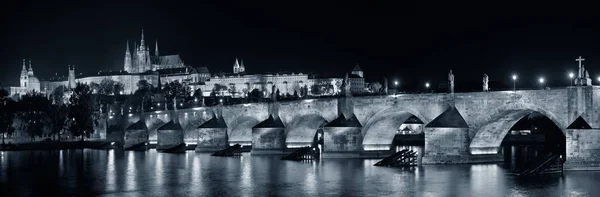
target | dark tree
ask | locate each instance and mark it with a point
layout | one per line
(7, 111)
(255, 95)
(33, 112)
(58, 118)
(295, 95)
(143, 95)
(118, 89)
(107, 87)
(81, 111)
(175, 90)
(316, 90)
(95, 88)
(58, 94)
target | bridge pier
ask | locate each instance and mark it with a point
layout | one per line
(451, 146)
(582, 149)
(268, 141)
(212, 135)
(342, 138)
(170, 135)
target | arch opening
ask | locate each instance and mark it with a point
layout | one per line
(393, 130)
(241, 131)
(519, 135)
(304, 131)
(530, 136)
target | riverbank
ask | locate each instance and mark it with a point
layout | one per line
(55, 145)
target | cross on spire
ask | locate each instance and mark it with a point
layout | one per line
(580, 73)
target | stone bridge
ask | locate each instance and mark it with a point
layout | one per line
(459, 127)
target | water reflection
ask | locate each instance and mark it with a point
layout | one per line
(117, 173)
(110, 171)
(131, 172)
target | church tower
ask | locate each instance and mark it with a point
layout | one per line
(142, 60)
(71, 83)
(30, 71)
(236, 66)
(24, 75)
(357, 71)
(242, 67)
(128, 67)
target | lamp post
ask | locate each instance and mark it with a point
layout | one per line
(514, 78)
(571, 75)
(396, 86)
(427, 86)
(542, 82)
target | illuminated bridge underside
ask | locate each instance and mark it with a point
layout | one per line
(302, 132)
(488, 138)
(241, 132)
(380, 133)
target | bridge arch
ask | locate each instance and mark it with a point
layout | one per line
(302, 130)
(241, 130)
(379, 131)
(488, 138)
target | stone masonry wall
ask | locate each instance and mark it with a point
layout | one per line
(211, 139)
(134, 137)
(169, 139)
(341, 142)
(268, 140)
(583, 149)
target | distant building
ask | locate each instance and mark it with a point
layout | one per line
(357, 81)
(141, 64)
(28, 82)
(239, 83)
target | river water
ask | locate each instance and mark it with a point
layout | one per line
(129, 173)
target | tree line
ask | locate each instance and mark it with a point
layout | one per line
(36, 115)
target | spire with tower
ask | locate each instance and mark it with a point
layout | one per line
(24, 75)
(156, 49)
(30, 72)
(242, 67)
(357, 70)
(142, 44)
(127, 59)
(236, 66)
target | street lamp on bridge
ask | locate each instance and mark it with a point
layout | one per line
(514, 78)
(571, 75)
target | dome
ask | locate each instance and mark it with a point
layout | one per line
(33, 80)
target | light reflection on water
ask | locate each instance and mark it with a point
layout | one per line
(117, 173)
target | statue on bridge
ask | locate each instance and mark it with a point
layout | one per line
(273, 94)
(485, 82)
(583, 77)
(451, 81)
(385, 86)
(346, 85)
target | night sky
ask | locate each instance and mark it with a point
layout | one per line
(412, 43)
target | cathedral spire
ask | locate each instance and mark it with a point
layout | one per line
(24, 69)
(127, 64)
(236, 66)
(142, 41)
(156, 49)
(30, 72)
